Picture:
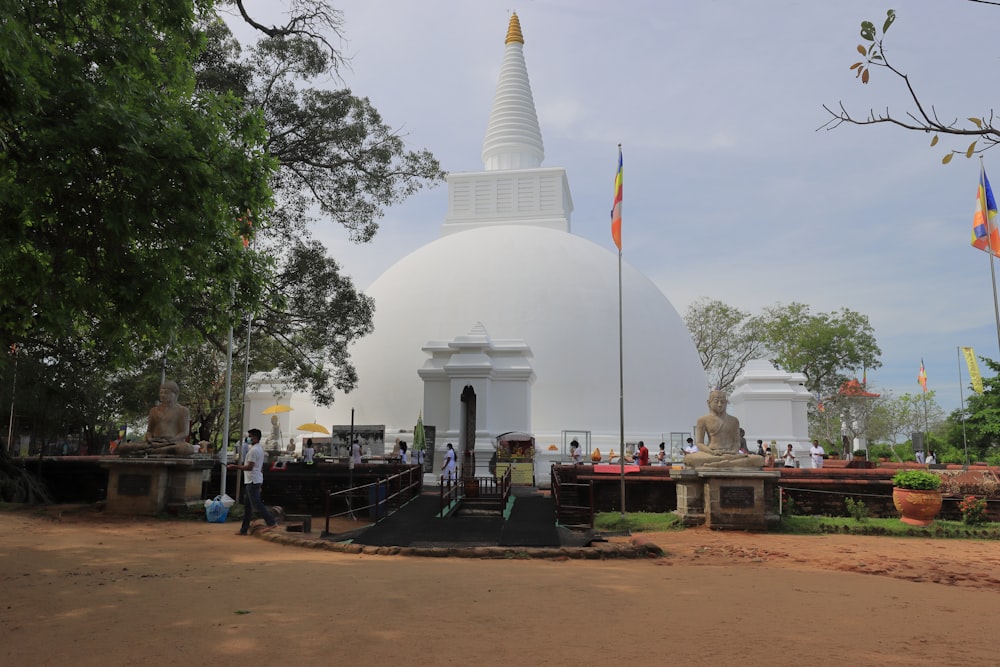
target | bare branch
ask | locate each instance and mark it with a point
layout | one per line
(919, 119)
(313, 20)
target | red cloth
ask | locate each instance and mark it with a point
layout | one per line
(614, 468)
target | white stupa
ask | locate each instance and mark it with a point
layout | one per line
(509, 322)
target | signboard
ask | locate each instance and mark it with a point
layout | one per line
(736, 497)
(371, 437)
(134, 485)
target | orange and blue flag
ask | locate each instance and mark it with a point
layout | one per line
(984, 224)
(616, 208)
(922, 376)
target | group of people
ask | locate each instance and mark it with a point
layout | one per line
(641, 456)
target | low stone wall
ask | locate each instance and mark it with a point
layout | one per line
(814, 491)
(823, 491)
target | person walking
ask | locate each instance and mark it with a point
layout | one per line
(816, 453)
(253, 481)
(448, 469)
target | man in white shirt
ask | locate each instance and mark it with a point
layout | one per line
(690, 447)
(816, 453)
(356, 453)
(253, 481)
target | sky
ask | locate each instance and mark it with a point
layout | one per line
(731, 190)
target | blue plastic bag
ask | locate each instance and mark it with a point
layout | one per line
(215, 511)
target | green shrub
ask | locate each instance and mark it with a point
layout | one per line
(856, 509)
(916, 479)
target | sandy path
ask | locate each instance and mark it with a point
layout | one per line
(89, 591)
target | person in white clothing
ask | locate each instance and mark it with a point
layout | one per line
(575, 452)
(308, 452)
(356, 453)
(404, 454)
(448, 469)
(816, 453)
(789, 457)
(253, 480)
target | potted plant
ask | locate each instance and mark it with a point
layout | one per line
(917, 496)
(860, 455)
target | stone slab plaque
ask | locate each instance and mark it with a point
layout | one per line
(134, 485)
(736, 497)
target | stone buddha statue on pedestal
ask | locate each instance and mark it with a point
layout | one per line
(717, 437)
(168, 427)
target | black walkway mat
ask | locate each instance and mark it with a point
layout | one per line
(531, 523)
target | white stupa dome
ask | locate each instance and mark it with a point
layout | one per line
(556, 292)
(511, 307)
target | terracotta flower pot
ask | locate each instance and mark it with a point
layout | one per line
(917, 507)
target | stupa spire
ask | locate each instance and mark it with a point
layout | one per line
(513, 139)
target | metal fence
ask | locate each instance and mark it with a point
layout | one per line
(380, 498)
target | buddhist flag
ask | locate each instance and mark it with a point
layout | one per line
(984, 224)
(922, 376)
(970, 361)
(616, 208)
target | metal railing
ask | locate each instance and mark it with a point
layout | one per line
(568, 512)
(493, 488)
(448, 492)
(384, 496)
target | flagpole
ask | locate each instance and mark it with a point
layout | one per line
(961, 398)
(616, 235)
(621, 388)
(923, 386)
(990, 226)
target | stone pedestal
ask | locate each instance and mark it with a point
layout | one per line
(727, 499)
(146, 486)
(690, 496)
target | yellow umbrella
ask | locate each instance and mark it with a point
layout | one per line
(315, 428)
(275, 409)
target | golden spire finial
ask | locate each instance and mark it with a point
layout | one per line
(514, 30)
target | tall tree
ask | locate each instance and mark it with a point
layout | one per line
(896, 418)
(726, 339)
(139, 151)
(121, 186)
(824, 346)
(338, 163)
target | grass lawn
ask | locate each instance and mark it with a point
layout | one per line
(638, 522)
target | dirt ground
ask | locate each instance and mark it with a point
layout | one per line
(86, 589)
